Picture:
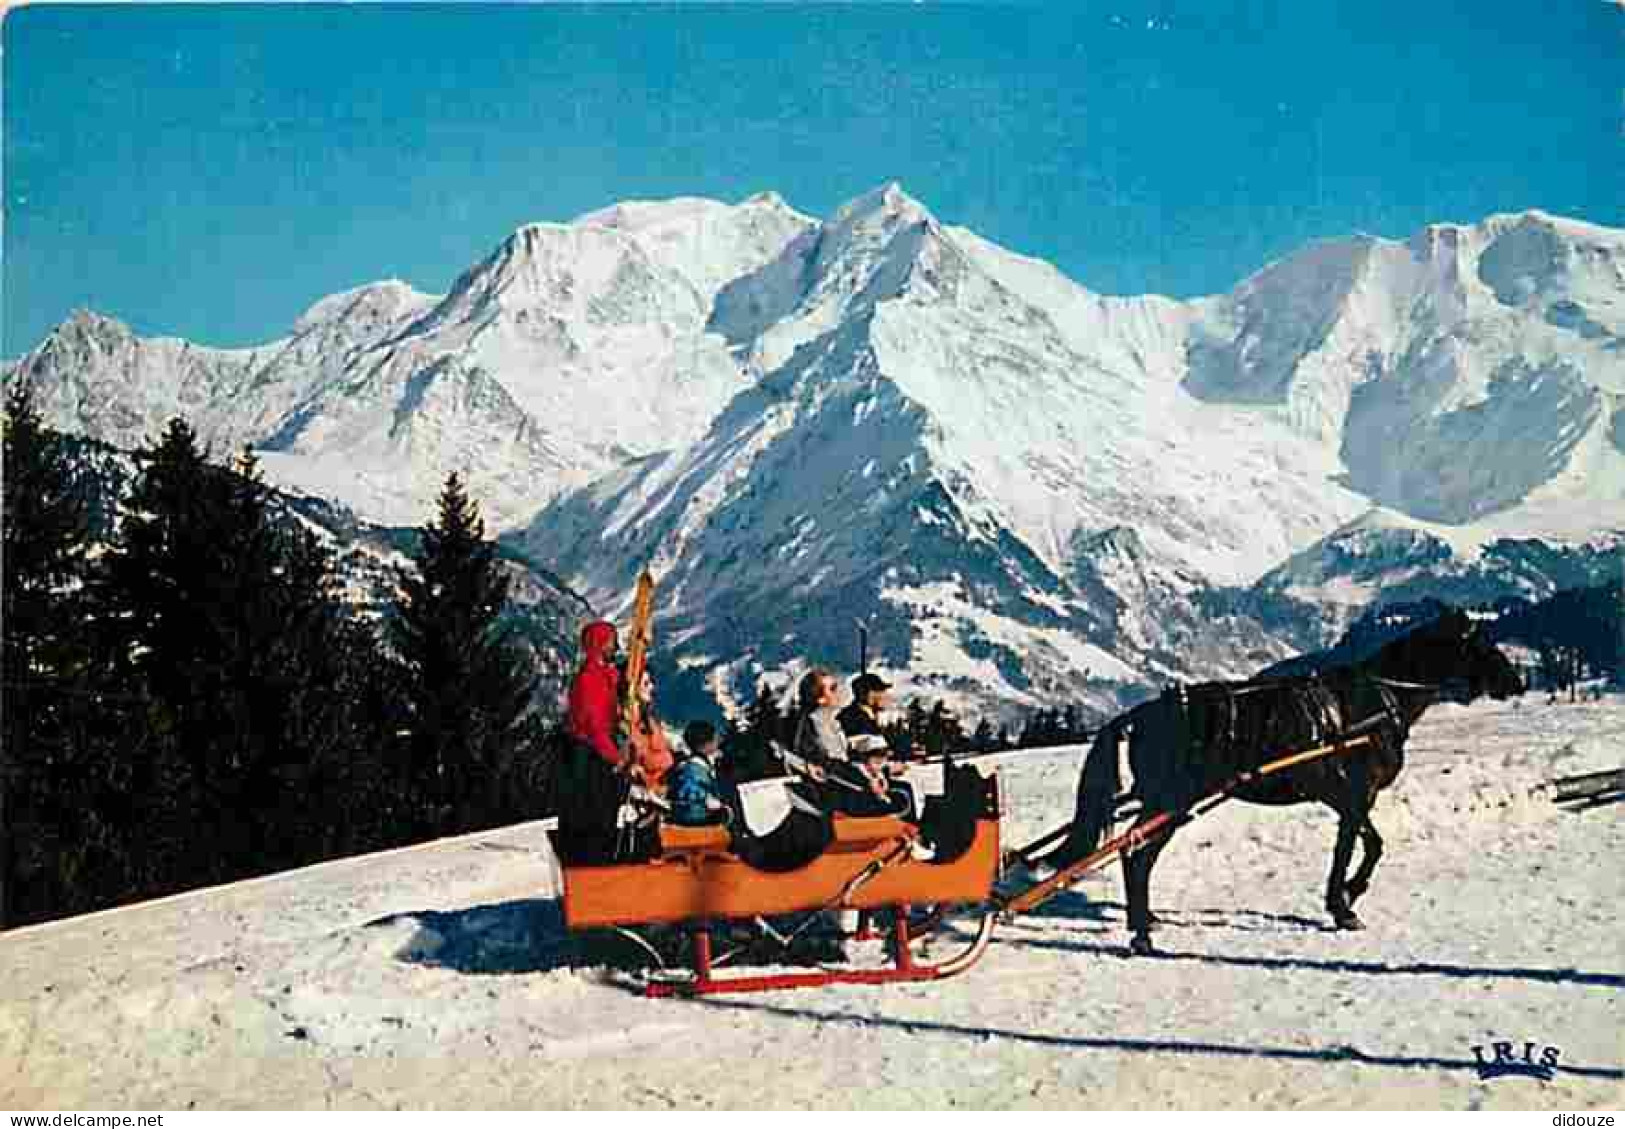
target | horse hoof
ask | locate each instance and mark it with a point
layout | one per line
(1140, 946)
(1348, 921)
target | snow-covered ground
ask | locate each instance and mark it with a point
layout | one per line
(440, 976)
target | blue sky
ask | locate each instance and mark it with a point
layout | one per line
(211, 170)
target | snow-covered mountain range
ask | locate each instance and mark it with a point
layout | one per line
(1029, 491)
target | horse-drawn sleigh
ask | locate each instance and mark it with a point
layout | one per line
(1335, 737)
(701, 877)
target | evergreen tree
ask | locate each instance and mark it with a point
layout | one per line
(179, 582)
(943, 733)
(916, 725)
(896, 733)
(1054, 727)
(69, 739)
(318, 692)
(465, 682)
(1044, 727)
(46, 530)
(264, 698)
(748, 744)
(1032, 730)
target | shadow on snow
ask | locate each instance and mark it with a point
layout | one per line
(1420, 968)
(526, 936)
(1338, 1054)
(1071, 905)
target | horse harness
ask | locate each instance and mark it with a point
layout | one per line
(1315, 702)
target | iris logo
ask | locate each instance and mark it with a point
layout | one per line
(1497, 1060)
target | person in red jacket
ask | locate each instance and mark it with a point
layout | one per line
(595, 693)
(595, 776)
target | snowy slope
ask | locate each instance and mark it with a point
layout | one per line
(439, 976)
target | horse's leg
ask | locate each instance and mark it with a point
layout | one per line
(1137, 885)
(1337, 903)
(1154, 851)
(1370, 852)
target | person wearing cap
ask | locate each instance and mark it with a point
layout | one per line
(862, 716)
(870, 753)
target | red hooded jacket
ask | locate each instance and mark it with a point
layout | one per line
(595, 693)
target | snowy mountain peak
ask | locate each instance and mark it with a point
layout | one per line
(547, 274)
(831, 275)
(1566, 226)
(632, 215)
(538, 244)
(708, 242)
(881, 210)
(767, 199)
(85, 322)
(85, 316)
(643, 215)
(383, 300)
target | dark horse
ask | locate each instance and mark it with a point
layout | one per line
(1194, 739)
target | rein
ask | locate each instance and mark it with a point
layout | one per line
(1396, 684)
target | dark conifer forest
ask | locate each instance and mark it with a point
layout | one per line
(189, 699)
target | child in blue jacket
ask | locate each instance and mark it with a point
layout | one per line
(692, 789)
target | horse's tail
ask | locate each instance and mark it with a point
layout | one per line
(1098, 786)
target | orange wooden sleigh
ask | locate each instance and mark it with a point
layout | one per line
(696, 881)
